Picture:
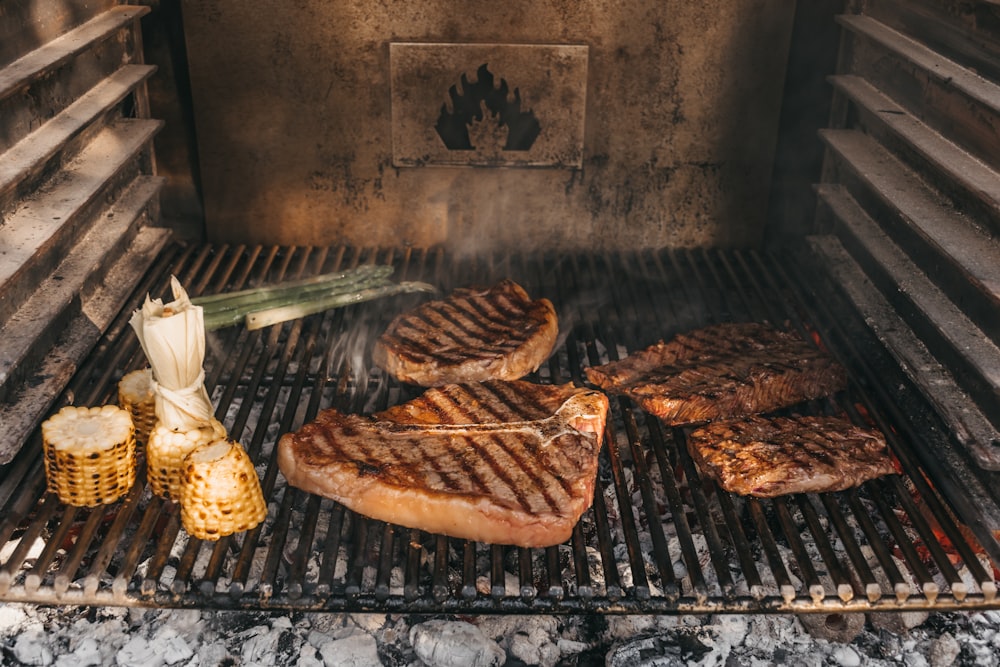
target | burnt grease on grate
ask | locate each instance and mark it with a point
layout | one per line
(658, 538)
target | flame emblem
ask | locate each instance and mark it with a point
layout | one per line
(483, 116)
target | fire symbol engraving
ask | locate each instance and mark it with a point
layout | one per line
(479, 104)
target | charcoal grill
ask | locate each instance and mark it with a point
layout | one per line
(659, 537)
(880, 245)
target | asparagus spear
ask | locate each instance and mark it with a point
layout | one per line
(284, 300)
(263, 318)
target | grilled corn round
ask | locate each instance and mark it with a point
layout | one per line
(221, 494)
(89, 454)
(165, 453)
(135, 394)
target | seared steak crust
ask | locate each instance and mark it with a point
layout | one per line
(773, 457)
(470, 336)
(499, 462)
(722, 371)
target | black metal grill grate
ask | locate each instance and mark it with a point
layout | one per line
(657, 539)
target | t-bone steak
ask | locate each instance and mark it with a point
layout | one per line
(722, 371)
(757, 456)
(473, 335)
(498, 462)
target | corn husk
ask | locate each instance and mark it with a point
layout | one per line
(173, 337)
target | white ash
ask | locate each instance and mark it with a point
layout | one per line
(77, 637)
(34, 551)
(443, 643)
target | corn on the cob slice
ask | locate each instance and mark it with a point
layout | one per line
(135, 394)
(221, 494)
(165, 452)
(89, 454)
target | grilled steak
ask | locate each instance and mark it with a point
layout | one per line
(773, 457)
(722, 371)
(498, 333)
(499, 462)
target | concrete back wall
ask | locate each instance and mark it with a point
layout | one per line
(293, 118)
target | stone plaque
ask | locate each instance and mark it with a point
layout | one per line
(488, 105)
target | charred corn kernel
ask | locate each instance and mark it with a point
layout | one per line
(89, 454)
(135, 395)
(165, 453)
(221, 494)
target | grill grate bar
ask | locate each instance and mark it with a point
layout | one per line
(439, 587)
(183, 574)
(498, 580)
(528, 589)
(843, 586)
(904, 544)
(138, 544)
(807, 570)
(299, 561)
(386, 558)
(640, 586)
(678, 510)
(882, 552)
(863, 572)
(468, 590)
(612, 580)
(770, 547)
(554, 588)
(269, 574)
(744, 552)
(929, 540)
(718, 553)
(661, 553)
(358, 557)
(331, 549)
(281, 525)
(158, 562)
(34, 577)
(110, 543)
(584, 585)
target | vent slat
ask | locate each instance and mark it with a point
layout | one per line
(47, 58)
(41, 231)
(951, 99)
(926, 60)
(22, 163)
(963, 260)
(954, 170)
(945, 328)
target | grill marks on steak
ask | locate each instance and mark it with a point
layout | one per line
(470, 336)
(509, 463)
(722, 371)
(784, 455)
